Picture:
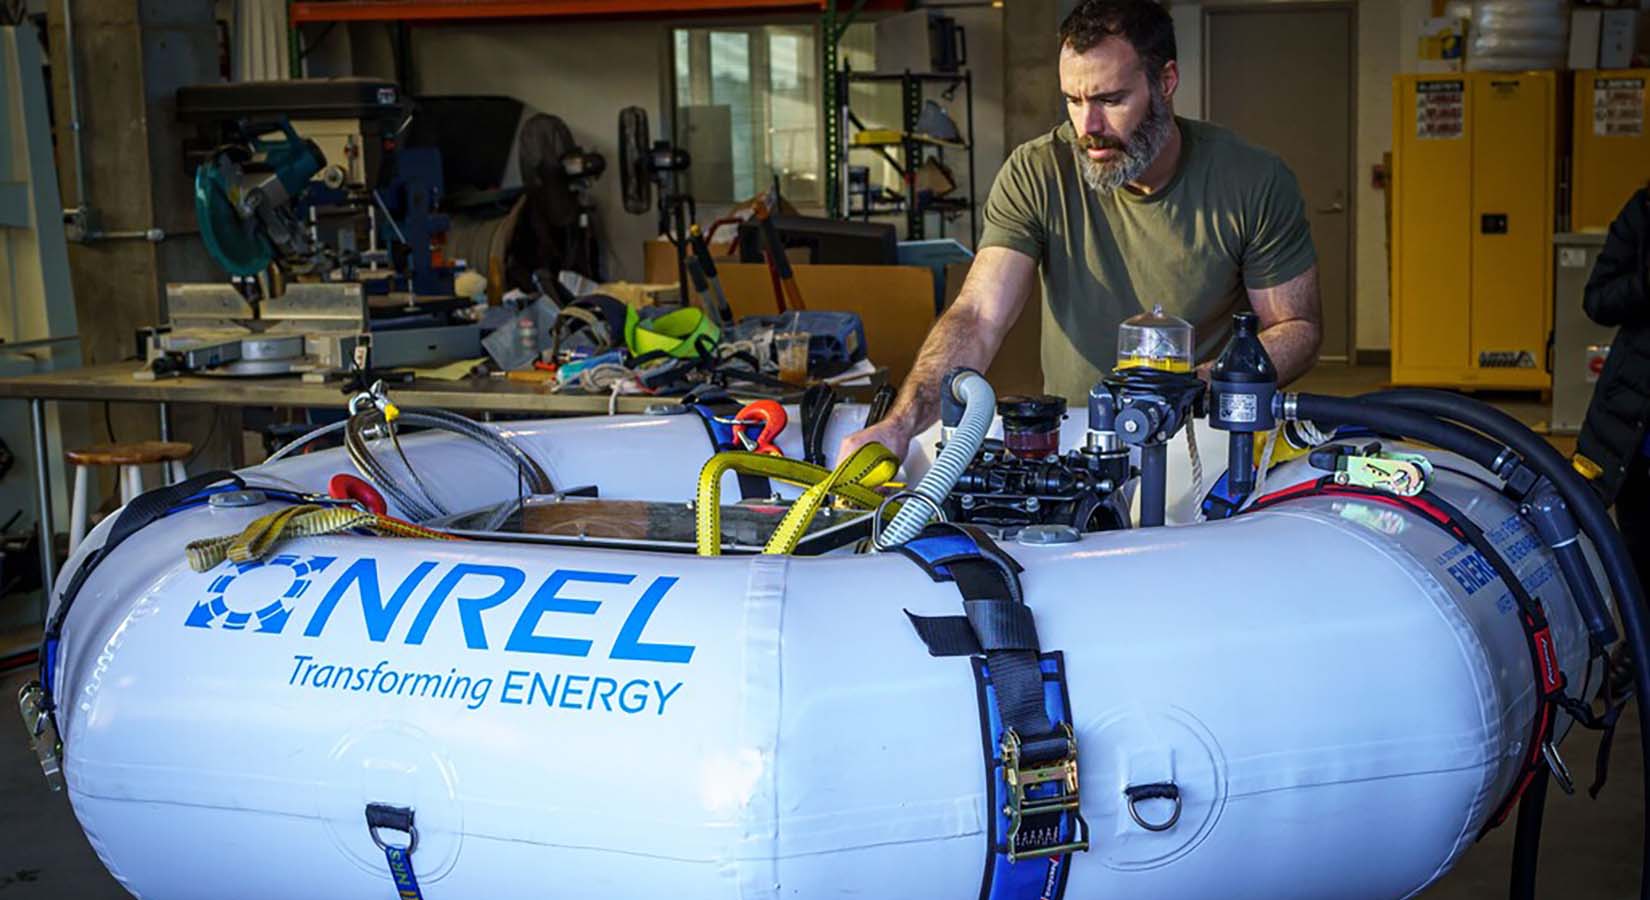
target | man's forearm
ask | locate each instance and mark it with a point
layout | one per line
(1293, 346)
(959, 338)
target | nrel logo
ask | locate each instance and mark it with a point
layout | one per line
(236, 600)
(408, 608)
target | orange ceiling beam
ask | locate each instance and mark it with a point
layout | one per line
(452, 10)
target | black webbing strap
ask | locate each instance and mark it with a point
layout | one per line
(817, 403)
(1549, 676)
(143, 510)
(996, 624)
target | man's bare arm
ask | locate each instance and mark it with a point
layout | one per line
(969, 334)
(1291, 323)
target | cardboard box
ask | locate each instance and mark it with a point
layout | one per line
(1618, 38)
(1586, 27)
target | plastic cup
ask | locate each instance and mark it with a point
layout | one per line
(791, 348)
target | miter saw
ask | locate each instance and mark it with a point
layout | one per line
(316, 249)
(246, 202)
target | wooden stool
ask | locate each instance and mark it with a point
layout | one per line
(129, 457)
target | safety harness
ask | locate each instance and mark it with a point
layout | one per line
(1549, 676)
(1030, 747)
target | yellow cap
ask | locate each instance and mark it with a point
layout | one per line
(1585, 467)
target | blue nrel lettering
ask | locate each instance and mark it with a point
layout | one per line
(476, 589)
(469, 608)
(363, 576)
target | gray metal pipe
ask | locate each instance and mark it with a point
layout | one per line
(43, 485)
(74, 104)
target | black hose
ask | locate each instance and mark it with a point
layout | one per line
(1584, 504)
(1399, 423)
(1527, 838)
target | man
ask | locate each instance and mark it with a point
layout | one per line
(1615, 436)
(1122, 207)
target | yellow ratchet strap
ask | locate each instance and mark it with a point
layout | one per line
(260, 538)
(853, 480)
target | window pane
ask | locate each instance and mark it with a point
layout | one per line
(793, 113)
(730, 86)
(748, 109)
(684, 69)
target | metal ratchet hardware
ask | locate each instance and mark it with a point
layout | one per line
(1021, 779)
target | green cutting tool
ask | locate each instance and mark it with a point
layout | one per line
(246, 199)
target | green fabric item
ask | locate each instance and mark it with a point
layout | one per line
(680, 333)
(1230, 218)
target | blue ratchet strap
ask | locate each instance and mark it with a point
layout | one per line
(1030, 748)
(396, 818)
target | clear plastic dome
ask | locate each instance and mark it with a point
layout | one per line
(1155, 340)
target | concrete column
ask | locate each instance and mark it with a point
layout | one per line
(1031, 83)
(131, 57)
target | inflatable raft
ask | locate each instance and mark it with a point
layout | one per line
(1330, 696)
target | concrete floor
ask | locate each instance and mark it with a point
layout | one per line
(1590, 849)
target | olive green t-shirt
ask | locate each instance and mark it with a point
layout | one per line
(1231, 217)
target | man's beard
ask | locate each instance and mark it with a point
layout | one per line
(1138, 151)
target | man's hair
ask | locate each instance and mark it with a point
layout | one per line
(1145, 24)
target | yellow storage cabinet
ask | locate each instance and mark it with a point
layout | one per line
(1610, 146)
(1475, 156)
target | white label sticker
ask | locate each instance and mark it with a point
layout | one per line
(1440, 111)
(1596, 355)
(1572, 258)
(1618, 107)
(1239, 407)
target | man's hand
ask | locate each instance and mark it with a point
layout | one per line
(896, 436)
(967, 335)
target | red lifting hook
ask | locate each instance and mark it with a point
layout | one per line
(773, 420)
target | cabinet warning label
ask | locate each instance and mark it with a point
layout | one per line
(1618, 107)
(1440, 110)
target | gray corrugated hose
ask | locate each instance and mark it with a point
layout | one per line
(979, 407)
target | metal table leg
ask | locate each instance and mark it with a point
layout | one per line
(165, 420)
(43, 489)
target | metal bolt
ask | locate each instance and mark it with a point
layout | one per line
(966, 500)
(1131, 426)
(1032, 504)
(234, 499)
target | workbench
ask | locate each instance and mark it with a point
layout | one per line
(114, 383)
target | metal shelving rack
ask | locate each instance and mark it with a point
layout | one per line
(839, 117)
(912, 147)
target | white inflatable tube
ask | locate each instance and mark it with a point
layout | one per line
(1339, 706)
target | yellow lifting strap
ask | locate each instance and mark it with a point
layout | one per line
(853, 480)
(260, 538)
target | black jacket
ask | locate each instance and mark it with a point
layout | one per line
(1618, 296)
